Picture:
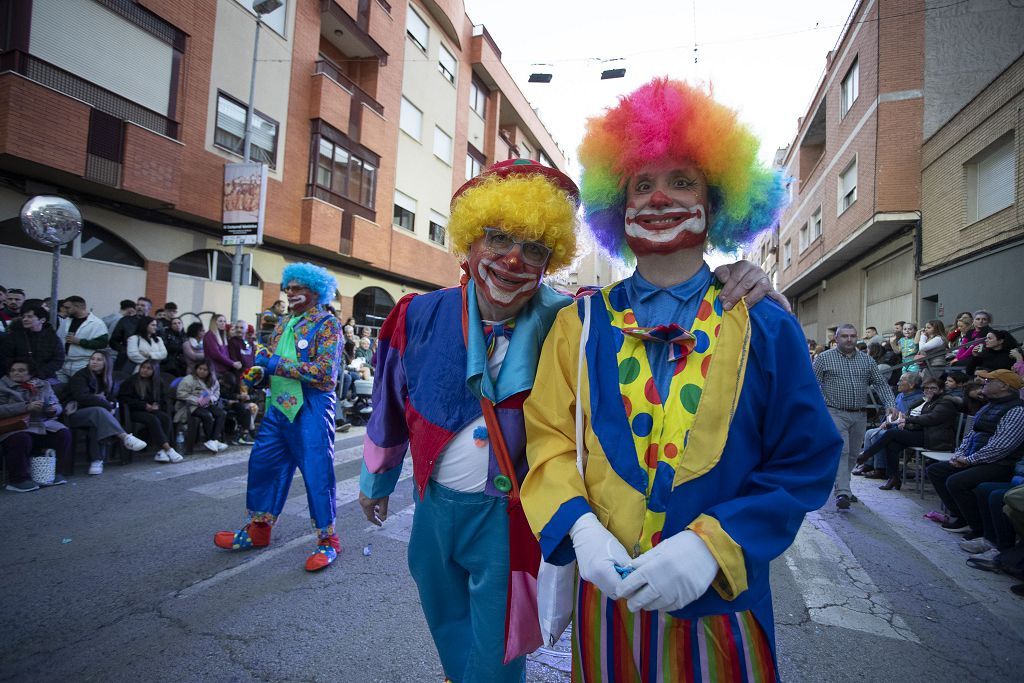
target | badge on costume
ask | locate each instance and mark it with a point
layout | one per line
(303, 343)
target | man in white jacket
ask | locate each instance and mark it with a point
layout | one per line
(82, 333)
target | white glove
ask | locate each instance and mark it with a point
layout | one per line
(597, 553)
(670, 575)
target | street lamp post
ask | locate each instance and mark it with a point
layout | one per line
(260, 8)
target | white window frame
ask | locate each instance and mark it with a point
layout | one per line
(473, 166)
(815, 232)
(991, 179)
(442, 222)
(264, 131)
(447, 70)
(417, 29)
(803, 241)
(407, 203)
(787, 254)
(843, 191)
(850, 88)
(410, 120)
(477, 99)
(443, 146)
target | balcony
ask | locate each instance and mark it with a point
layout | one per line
(356, 27)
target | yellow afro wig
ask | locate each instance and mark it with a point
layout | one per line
(528, 206)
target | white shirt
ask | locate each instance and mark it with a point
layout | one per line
(463, 465)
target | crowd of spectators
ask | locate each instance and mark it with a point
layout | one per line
(959, 396)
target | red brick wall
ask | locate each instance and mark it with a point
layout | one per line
(41, 125)
(156, 282)
(152, 164)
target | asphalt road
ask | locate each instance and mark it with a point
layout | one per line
(115, 578)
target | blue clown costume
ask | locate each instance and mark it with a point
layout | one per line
(301, 361)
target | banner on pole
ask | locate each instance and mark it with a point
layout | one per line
(245, 196)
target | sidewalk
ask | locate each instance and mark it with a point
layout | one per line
(904, 512)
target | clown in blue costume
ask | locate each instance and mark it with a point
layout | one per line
(301, 362)
(441, 357)
(705, 437)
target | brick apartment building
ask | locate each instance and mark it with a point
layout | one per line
(845, 243)
(369, 113)
(972, 184)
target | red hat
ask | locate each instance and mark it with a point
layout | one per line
(503, 169)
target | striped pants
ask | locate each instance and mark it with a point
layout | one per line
(613, 645)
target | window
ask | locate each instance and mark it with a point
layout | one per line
(438, 228)
(411, 119)
(417, 29)
(787, 254)
(478, 97)
(230, 131)
(802, 245)
(815, 224)
(405, 211)
(847, 187)
(443, 146)
(991, 177)
(475, 162)
(543, 159)
(370, 306)
(212, 264)
(851, 87)
(338, 173)
(524, 151)
(94, 243)
(446, 64)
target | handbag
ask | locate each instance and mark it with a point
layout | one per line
(556, 584)
(44, 467)
(14, 423)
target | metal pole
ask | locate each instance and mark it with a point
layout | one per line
(54, 285)
(236, 261)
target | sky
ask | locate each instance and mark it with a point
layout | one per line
(762, 58)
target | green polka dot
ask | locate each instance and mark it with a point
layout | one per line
(690, 396)
(629, 370)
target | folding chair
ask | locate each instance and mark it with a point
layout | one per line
(919, 453)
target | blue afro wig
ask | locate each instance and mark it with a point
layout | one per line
(319, 280)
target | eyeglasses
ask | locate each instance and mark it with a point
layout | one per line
(294, 288)
(501, 243)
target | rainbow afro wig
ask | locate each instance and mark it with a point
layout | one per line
(667, 120)
(319, 280)
(523, 198)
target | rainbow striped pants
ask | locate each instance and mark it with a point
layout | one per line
(613, 645)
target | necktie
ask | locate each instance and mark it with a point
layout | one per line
(285, 392)
(681, 341)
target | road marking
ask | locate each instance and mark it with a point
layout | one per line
(835, 587)
(261, 557)
(234, 486)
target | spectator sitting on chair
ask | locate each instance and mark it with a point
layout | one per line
(143, 395)
(975, 336)
(239, 404)
(20, 393)
(994, 354)
(987, 454)
(909, 396)
(955, 382)
(31, 336)
(933, 428)
(932, 347)
(215, 346)
(192, 349)
(146, 344)
(94, 393)
(83, 332)
(998, 531)
(240, 349)
(199, 396)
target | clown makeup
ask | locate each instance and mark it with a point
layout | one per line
(505, 282)
(666, 208)
(300, 298)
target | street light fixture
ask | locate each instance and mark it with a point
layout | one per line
(260, 7)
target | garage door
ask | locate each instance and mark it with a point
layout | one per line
(889, 292)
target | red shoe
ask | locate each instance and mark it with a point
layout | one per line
(326, 552)
(252, 535)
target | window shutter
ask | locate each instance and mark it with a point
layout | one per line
(996, 180)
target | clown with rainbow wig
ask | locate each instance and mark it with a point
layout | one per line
(700, 430)
(301, 360)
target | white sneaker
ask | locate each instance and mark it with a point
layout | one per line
(345, 403)
(162, 456)
(132, 442)
(212, 446)
(96, 467)
(174, 455)
(221, 445)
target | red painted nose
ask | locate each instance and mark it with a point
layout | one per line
(660, 200)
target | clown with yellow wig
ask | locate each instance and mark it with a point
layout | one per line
(703, 437)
